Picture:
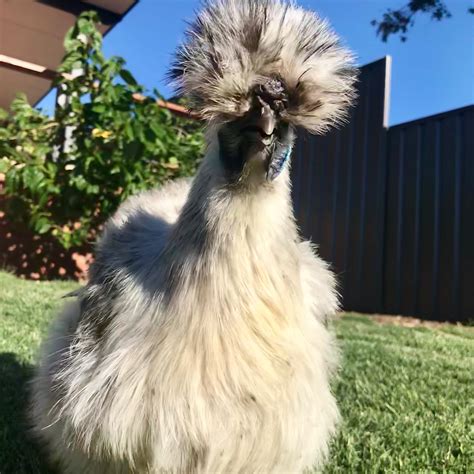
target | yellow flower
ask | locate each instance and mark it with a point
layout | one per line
(97, 132)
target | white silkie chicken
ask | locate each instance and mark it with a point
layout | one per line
(199, 344)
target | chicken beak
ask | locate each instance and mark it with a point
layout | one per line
(267, 121)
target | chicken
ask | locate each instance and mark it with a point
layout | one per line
(200, 344)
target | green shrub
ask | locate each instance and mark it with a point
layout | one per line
(64, 175)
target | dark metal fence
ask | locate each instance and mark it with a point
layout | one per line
(392, 209)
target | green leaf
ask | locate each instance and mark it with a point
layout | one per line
(128, 77)
(98, 108)
(93, 189)
(42, 225)
(5, 165)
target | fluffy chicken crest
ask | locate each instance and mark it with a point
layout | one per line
(234, 45)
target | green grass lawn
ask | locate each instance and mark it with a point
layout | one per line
(406, 394)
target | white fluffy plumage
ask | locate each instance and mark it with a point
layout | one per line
(200, 343)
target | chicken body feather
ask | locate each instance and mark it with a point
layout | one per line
(194, 350)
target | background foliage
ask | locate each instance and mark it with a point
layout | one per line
(64, 175)
(399, 21)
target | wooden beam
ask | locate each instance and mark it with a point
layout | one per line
(43, 72)
(171, 106)
(25, 67)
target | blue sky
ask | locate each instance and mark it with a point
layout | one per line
(432, 72)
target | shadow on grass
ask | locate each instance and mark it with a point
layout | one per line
(18, 452)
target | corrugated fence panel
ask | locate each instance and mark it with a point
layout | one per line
(338, 183)
(463, 255)
(429, 252)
